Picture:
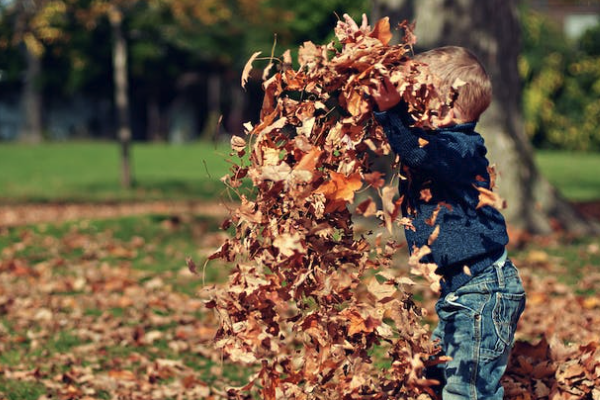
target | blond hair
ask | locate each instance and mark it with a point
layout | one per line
(453, 65)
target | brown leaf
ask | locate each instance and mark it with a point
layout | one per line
(191, 265)
(375, 179)
(381, 291)
(310, 160)
(356, 323)
(367, 208)
(341, 187)
(122, 375)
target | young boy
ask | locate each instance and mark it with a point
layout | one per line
(482, 296)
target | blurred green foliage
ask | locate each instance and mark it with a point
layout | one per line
(166, 38)
(561, 93)
(171, 38)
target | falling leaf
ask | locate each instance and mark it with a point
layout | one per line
(367, 208)
(375, 179)
(341, 187)
(191, 265)
(434, 235)
(309, 160)
(489, 198)
(381, 291)
(238, 144)
(248, 68)
(288, 244)
(382, 32)
(425, 194)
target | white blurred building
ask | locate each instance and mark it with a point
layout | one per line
(575, 16)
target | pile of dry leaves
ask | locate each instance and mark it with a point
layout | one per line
(310, 299)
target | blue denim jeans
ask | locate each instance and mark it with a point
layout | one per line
(477, 324)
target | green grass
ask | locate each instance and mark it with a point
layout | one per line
(150, 243)
(576, 175)
(90, 171)
(21, 390)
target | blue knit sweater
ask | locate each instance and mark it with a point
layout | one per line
(451, 164)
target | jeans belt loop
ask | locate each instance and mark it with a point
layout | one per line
(498, 267)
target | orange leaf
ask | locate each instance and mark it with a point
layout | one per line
(358, 324)
(309, 160)
(375, 179)
(367, 208)
(382, 31)
(356, 104)
(122, 375)
(425, 194)
(341, 187)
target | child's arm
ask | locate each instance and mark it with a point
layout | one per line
(396, 124)
(440, 155)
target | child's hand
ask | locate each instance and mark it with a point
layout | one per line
(385, 94)
(349, 28)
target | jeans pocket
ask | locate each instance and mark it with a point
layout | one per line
(505, 315)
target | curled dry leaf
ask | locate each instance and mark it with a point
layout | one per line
(248, 68)
(238, 144)
(490, 198)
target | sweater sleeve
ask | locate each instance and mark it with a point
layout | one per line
(439, 154)
(403, 139)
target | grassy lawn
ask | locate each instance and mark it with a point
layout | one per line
(107, 308)
(577, 175)
(113, 300)
(90, 171)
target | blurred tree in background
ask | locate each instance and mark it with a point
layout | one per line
(184, 57)
(171, 67)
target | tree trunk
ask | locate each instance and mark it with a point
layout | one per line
(213, 118)
(235, 121)
(121, 94)
(31, 127)
(533, 204)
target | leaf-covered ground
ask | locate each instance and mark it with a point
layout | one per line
(103, 309)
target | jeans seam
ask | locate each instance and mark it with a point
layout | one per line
(476, 351)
